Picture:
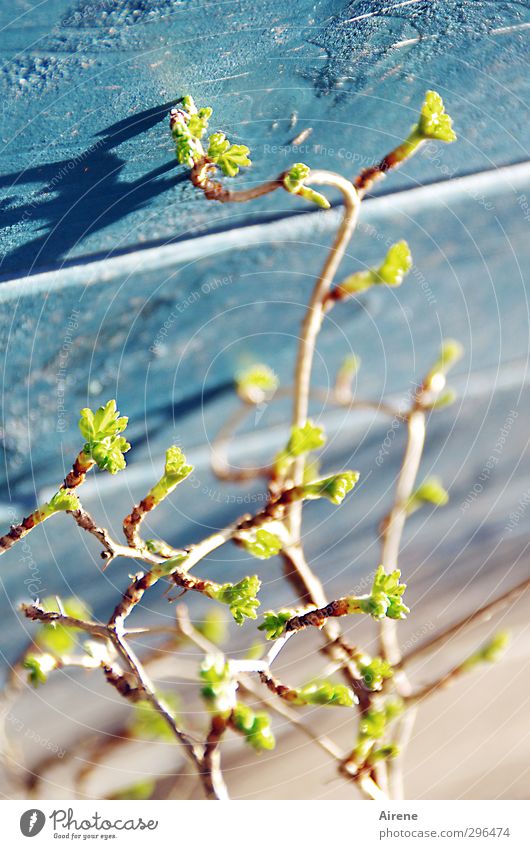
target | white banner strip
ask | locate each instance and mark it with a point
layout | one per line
(262, 825)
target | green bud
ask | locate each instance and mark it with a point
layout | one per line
(256, 384)
(334, 488)
(391, 272)
(327, 693)
(63, 500)
(434, 123)
(214, 626)
(255, 726)
(188, 104)
(294, 183)
(274, 623)
(141, 790)
(450, 352)
(430, 491)
(39, 666)
(444, 400)
(397, 263)
(374, 721)
(176, 470)
(490, 652)
(374, 671)
(219, 688)
(261, 543)
(294, 179)
(383, 753)
(303, 439)
(347, 371)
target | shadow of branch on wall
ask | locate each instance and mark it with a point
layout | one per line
(81, 195)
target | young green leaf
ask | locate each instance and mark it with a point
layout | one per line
(228, 157)
(274, 623)
(101, 430)
(240, 597)
(385, 598)
(198, 123)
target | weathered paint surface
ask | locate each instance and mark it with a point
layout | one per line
(193, 291)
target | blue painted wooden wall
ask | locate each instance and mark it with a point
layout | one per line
(118, 279)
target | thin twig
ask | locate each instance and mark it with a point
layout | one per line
(481, 615)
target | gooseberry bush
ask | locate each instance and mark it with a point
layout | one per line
(374, 690)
